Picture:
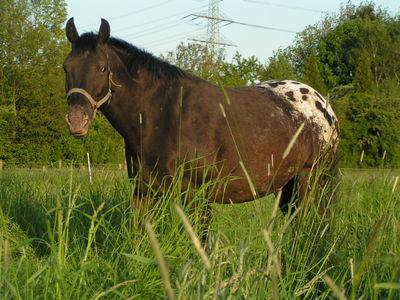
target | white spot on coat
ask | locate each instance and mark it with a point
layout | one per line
(308, 102)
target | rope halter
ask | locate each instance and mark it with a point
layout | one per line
(96, 104)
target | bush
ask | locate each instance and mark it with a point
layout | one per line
(369, 124)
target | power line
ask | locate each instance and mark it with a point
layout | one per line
(285, 6)
(216, 19)
(159, 19)
(133, 12)
(207, 41)
(170, 38)
(229, 21)
(154, 29)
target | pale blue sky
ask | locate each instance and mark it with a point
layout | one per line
(158, 25)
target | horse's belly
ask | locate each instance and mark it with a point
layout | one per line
(243, 188)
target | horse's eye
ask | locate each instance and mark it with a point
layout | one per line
(103, 69)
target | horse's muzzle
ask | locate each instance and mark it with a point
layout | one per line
(78, 122)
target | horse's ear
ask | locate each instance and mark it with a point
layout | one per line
(104, 31)
(70, 30)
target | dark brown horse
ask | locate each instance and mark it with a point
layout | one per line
(273, 131)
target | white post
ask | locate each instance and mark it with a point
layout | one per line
(89, 168)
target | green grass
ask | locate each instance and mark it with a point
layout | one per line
(61, 238)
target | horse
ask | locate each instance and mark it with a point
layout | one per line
(267, 136)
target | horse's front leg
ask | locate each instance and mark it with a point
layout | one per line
(129, 162)
(140, 201)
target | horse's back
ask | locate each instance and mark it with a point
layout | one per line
(309, 103)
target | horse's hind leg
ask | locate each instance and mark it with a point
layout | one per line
(288, 196)
(293, 192)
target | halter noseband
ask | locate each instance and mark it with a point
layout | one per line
(96, 104)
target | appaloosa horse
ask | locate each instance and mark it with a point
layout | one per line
(164, 113)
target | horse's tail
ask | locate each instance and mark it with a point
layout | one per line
(334, 174)
(329, 181)
(324, 179)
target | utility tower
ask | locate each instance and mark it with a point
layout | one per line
(213, 37)
(214, 20)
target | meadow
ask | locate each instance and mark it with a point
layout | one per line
(64, 238)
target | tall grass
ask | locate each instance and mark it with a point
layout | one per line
(62, 238)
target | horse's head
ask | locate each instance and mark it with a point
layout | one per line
(88, 77)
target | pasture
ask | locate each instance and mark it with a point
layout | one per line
(63, 238)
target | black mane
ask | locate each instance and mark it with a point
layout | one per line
(137, 58)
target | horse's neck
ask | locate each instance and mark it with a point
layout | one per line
(140, 100)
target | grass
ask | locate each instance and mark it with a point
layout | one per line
(62, 238)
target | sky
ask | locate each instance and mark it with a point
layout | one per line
(159, 26)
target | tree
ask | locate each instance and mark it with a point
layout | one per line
(370, 124)
(31, 53)
(363, 81)
(196, 58)
(312, 75)
(12, 19)
(338, 40)
(355, 55)
(280, 67)
(241, 71)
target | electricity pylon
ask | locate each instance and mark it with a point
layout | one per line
(214, 18)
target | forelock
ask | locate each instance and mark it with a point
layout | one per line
(87, 41)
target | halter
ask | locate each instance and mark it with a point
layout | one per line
(96, 104)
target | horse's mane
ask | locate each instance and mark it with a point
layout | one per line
(137, 58)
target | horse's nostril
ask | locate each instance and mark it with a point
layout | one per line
(85, 119)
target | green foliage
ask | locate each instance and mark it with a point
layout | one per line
(363, 81)
(312, 75)
(279, 67)
(338, 41)
(241, 71)
(197, 58)
(352, 57)
(370, 124)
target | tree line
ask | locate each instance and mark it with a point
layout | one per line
(352, 57)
